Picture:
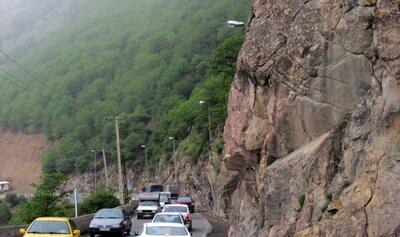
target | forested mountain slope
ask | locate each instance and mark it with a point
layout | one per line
(149, 60)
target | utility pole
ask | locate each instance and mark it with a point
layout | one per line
(95, 169)
(173, 149)
(209, 118)
(121, 183)
(105, 167)
(147, 165)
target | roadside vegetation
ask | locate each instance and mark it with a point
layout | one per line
(149, 61)
(51, 199)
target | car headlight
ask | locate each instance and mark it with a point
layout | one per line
(117, 225)
(139, 211)
(154, 211)
(93, 225)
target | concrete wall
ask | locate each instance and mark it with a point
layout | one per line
(82, 222)
(11, 231)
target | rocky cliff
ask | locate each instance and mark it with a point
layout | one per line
(314, 121)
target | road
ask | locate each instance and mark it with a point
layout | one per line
(201, 227)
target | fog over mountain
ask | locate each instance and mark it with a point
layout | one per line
(26, 23)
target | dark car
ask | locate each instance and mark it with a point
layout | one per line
(186, 201)
(110, 221)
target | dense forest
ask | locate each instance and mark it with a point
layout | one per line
(149, 62)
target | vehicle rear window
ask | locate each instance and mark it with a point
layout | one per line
(49, 227)
(111, 213)
(184, 199)
(181, 209)
(164, 198)
(148, 204)
(156, 188)
(166, 230)
(167, 219)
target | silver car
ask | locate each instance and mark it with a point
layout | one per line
(176, 218)
(164, 229)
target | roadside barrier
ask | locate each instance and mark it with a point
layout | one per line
(81, 222)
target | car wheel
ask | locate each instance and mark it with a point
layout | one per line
(139, 217)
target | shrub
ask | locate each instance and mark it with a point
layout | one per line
(102, 198)
(12, 199)
(328, 199)
(345, 184)
(5, 214)
(301, 200)
(218, 146)
(193, 145)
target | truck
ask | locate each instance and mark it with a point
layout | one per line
(154, 188)
(174, 190)
(149, 205)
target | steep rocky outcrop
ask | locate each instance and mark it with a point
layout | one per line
(313, 126)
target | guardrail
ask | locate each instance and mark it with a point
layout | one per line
(81, 222)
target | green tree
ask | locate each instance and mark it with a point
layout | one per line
(47, 200)
(5, 214)
(102, 198)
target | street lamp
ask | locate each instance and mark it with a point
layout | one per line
(234, 24)
(173, 149)
(202, 102)
(147, 166)
(95, 168)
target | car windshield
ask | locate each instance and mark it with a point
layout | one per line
(148, 204)
(109, 213)
(49, 227)
(167, 230)
(156, 188)
(168, 219)
(185, 199)
(164, 198)
(181, 209)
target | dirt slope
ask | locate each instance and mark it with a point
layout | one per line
(20, 159)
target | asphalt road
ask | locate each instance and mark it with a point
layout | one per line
(201, 227)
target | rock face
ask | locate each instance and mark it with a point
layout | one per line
(311, 139)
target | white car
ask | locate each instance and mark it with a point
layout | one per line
(182, 209)
(164, 229)
(147, 209)
(172, 217)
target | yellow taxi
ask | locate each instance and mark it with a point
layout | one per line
(51, 227)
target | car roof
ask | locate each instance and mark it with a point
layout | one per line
(52, 219)
(175, 205)
(184, 197)
(168, 213)
(110, 209)
(158, 224)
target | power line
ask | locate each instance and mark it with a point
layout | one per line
(15, 81)
(36, 78)
(27, 71)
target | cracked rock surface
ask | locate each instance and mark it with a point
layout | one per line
(312, 136)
